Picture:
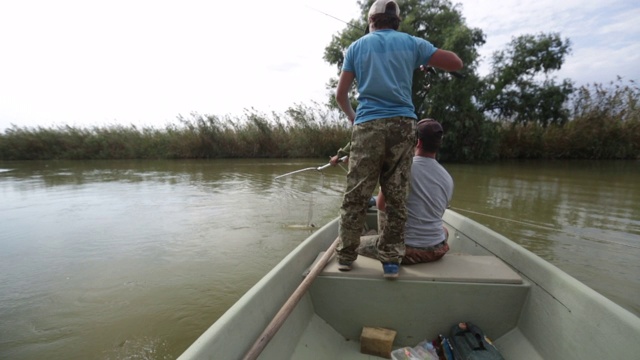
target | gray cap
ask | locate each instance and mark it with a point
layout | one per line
(430, 131)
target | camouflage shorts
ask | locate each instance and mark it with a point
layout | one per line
(412, 255)
(422, 255)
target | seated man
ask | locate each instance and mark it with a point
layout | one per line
(430, 192)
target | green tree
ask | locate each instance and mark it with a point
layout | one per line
(520, 87)
(448, 99)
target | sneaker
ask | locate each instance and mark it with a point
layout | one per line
(391, 270)
(345, 266)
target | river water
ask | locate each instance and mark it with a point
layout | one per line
(135, 259)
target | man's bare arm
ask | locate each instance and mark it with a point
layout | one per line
(342, 94)
(445, 60)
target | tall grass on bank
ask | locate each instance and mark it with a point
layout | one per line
(66, 142)
(605, 124)
(302, 131)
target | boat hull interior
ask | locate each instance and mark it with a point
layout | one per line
(528, 307)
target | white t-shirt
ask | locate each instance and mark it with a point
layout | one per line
(430, 194)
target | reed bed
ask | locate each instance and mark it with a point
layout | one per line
(605, 124)
(302, 131)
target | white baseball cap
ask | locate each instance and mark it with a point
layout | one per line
(380, 7)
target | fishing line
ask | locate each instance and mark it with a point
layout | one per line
(547, 228)
(293, 194)
(506, 261)
(333, 17)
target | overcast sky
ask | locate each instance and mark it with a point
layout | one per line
(85, 62)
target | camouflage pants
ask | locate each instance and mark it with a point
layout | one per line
(381, 152)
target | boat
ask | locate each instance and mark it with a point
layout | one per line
(529, 308)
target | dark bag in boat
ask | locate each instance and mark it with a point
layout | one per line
(470, 343)
(443, 348)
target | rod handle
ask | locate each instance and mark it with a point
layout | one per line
(342, 159)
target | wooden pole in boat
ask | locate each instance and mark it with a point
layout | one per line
(286, 309)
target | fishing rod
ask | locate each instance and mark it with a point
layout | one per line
(319, 168)
(333, 17)
(428, 70)
(366, 31)
(426, 87)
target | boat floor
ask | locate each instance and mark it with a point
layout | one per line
(320, 341)
(489, 285)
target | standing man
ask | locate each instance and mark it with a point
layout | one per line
(431, 190)
(383, 63)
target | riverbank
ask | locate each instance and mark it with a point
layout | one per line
(305, 132)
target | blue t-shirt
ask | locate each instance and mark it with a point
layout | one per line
(383, 63)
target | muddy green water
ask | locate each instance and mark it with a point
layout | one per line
(135, 259)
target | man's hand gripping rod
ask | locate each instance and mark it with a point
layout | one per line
(342, 159)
